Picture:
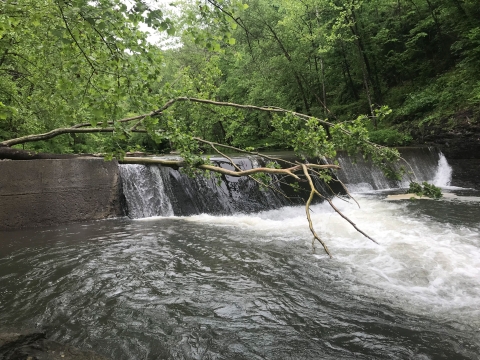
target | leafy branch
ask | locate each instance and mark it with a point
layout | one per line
(188, 161)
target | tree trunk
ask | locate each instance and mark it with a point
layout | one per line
(349, 75)
(296, 75)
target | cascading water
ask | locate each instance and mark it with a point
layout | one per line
(422, 164)
(157, 191)
(145, 191)
(183, 195)
(443, 177)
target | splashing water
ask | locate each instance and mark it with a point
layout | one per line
(443, 176)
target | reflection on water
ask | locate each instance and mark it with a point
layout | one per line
(249, 287)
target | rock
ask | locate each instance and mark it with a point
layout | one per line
(414, 196)
(466, 173)
(458, 137)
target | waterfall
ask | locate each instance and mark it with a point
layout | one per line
(443, 177)
(424, 164)
(152, 190)
(144, 191)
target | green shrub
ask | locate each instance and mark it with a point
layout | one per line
(425, 189)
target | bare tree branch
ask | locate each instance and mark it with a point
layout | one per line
(179, 163)
(307, 210)
(290, 171)
(56, 132)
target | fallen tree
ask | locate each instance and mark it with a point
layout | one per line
(317, 137)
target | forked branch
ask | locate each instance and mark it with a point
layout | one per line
(136, 123)
(307, 210)
(180, 163)
(291, 171)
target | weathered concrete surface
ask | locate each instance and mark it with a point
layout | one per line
(47, 192)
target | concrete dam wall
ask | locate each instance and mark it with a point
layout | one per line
(48, 192)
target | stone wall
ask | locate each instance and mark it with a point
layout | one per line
(48, 192)
(466, 173)
(457, 136)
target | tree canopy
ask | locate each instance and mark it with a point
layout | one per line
(65, 62)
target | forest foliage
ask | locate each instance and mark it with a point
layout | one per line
(65, 62)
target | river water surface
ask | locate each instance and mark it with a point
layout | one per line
(250, 287)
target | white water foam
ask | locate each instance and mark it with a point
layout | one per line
(443, 176)
(420, 265)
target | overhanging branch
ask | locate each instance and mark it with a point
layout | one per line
(57, 132)
(167, 105)
(290, 171)
(180, 163)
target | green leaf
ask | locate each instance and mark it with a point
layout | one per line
(163, 25)
(90, 20)
(3, 113)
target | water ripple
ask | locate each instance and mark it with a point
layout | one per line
(183, 289)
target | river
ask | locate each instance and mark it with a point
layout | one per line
(249, 286)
